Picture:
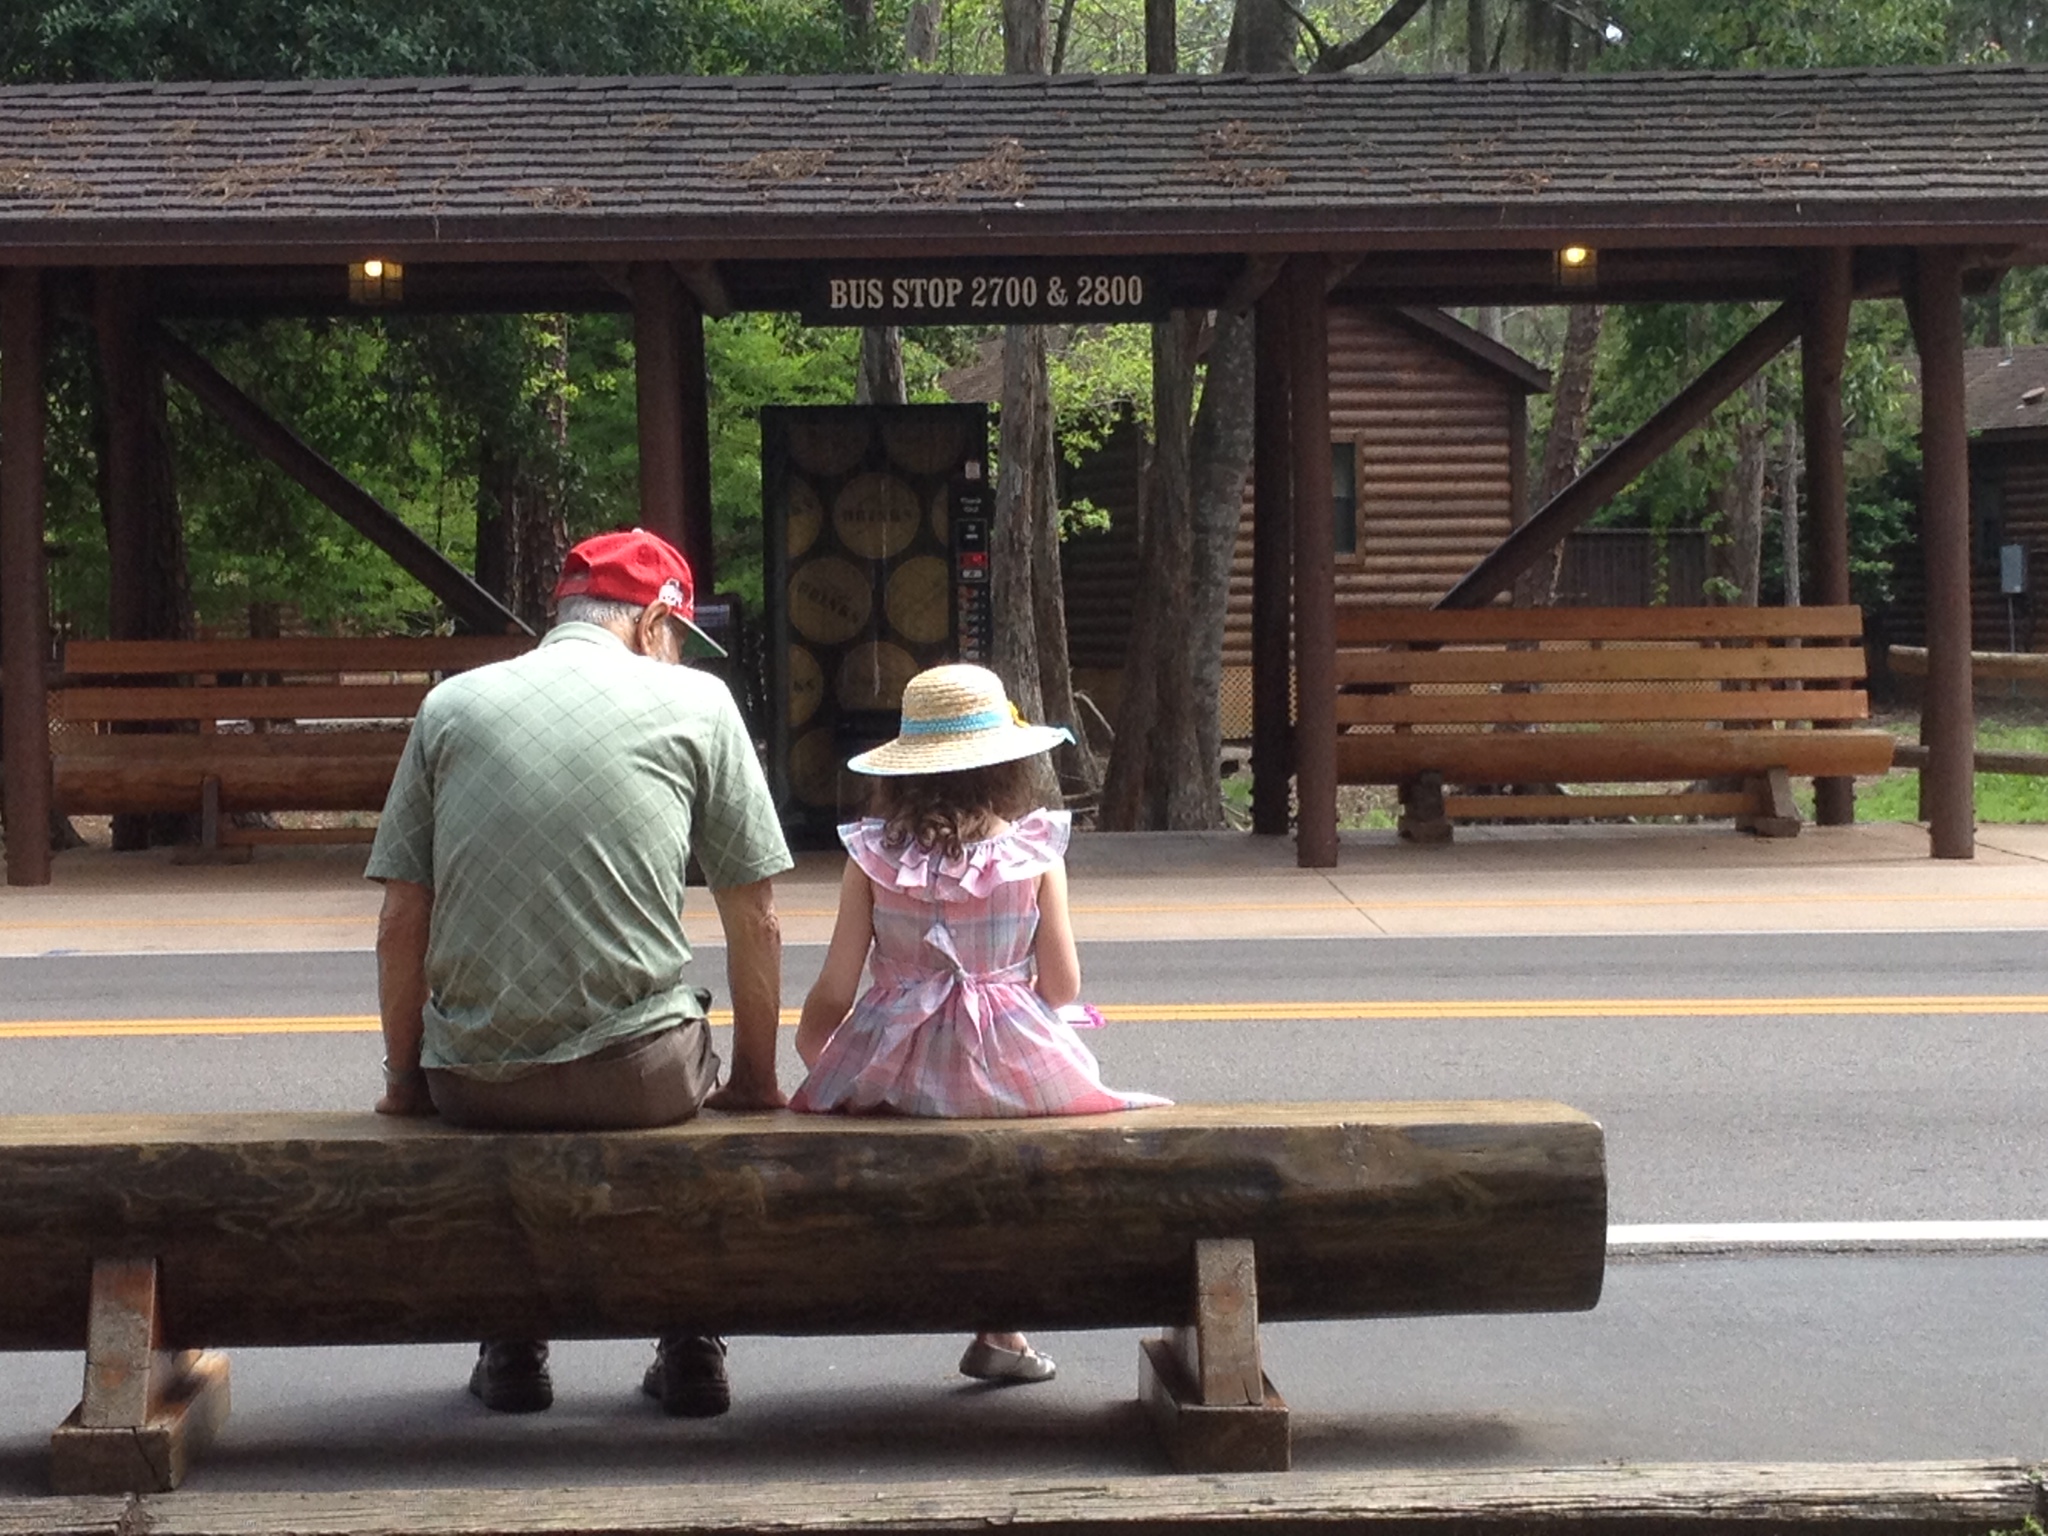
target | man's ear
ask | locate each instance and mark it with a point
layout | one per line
(647, 629)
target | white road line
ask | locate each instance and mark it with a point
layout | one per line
(1766, 1237)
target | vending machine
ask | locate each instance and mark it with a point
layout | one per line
(877, 566)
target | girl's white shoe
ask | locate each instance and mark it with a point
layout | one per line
(987, 1362)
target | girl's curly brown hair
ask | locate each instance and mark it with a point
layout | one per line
(934, 809)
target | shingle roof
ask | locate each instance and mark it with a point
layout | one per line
(2005, 388)
(1174, 163)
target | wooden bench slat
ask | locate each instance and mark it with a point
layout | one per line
(1605, 757)
(1580, 807)
(1639, 707)
(398, 653)
(293, 1229)
(1371, 626)
(312, 701)
(1659, 664)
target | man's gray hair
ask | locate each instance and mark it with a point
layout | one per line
(596, 610)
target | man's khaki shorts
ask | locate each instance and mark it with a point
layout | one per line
(655, 1079)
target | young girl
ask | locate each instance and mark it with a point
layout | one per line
(965, 912)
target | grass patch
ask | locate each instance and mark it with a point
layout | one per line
(2009, 798)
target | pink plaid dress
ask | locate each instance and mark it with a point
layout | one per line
(951, 1027)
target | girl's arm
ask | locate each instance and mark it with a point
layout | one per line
(831, 998)
(1059, 967)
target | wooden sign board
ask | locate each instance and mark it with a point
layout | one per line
(1099, 291)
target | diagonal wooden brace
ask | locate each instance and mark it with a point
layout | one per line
(146, 1411)
(1203, 1383)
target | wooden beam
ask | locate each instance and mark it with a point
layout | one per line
(1258, 274)
(707, 285)
(1635, 1498)
(1616, 469)
(468, 602)
(1824, 342)
(1272, 576)
(1948, 712)
(1315, 566)
(24, 602)
(311, 1228)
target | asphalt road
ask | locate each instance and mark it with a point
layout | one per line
(1755, 1079)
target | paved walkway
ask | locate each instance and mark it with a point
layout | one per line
(1169, 886)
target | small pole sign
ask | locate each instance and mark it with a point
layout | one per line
(988, 293)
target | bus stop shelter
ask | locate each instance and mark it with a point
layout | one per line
(926, 198)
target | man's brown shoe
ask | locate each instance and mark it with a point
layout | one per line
(511, 1376)
(688, 1376)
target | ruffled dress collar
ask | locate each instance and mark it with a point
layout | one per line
(1032, 845)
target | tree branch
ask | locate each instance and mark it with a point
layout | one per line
(1369, 42)
(1315, 36)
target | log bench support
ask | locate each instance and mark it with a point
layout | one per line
(146, 1411)
(1203, 1384)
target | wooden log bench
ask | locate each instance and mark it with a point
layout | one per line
(152, 1243)
(214, 727)
(1487, 714)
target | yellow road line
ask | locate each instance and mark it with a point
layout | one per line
(1193, 1013)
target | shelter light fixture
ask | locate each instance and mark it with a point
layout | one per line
(1578, 266)
(374, 281)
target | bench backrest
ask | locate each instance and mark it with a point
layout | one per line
(333, 1229)
(1576, 666)
(302, 679)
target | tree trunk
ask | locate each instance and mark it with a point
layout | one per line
(1475, 37)
(881, 367)
(1571, 398)
(1024, 491)
(1735, 552)
(1163, 768)
(921, 31)
(1154, 725)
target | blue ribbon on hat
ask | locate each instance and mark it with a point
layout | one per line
(953, 725)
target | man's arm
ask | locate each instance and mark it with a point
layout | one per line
(753, 974)
(402, 927)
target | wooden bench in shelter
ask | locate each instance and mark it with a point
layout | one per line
(1524, 701)
(145, 1241)
(215, 727)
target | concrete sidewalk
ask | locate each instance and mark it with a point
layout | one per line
(1173, 886)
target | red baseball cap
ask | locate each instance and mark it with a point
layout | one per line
(637, 567)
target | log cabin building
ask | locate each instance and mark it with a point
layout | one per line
(1429, 424)
(131, 208)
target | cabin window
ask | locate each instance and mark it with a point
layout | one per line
(1344, 496)
(1987, 507)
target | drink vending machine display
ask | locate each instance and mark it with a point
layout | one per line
(877, 523)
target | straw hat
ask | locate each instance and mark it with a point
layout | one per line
(957, 717)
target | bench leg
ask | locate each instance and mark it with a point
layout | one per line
(210, 849)
(1776, 815)
(1422, 810)
(146, 1411)
(1203, 1386)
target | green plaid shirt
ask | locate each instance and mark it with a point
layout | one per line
(552, 802)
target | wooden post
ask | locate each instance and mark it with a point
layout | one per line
(695, 415)
(117, 322)
(1203, 1384)
(24, 604)
(1823, 344)
(146, 1411)
(1272, 552)
(1949, 725)
(1315, 567)
(657, 375)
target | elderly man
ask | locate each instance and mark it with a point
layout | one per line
(530, 951)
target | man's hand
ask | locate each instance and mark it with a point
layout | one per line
(406, 1096)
